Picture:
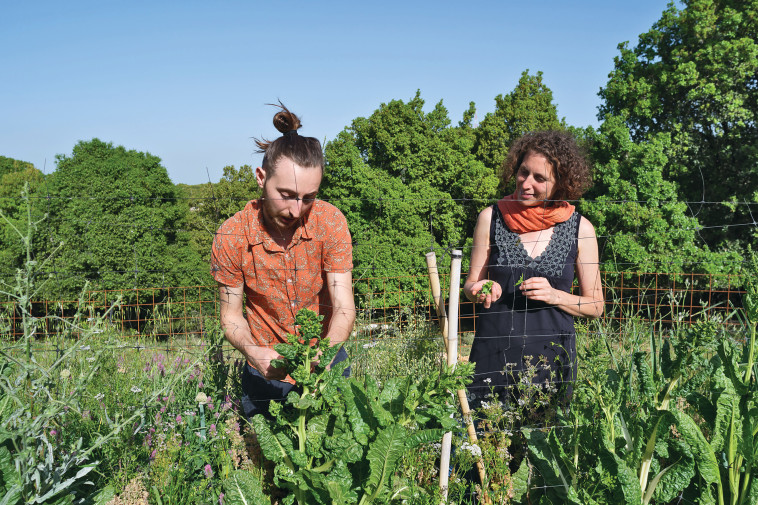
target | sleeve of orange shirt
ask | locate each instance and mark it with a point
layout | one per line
(338, 248)
(225, 253)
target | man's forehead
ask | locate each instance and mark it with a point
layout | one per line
(292, 177)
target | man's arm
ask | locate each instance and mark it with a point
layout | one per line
(340, 286)
(237, 332)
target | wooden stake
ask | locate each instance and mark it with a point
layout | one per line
(439, 306)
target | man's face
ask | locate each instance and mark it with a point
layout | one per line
(288, 193)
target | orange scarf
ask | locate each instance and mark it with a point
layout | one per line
(522, 218)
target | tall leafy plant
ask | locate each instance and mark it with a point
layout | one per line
(338, 440)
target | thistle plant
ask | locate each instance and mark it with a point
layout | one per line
(37, 397)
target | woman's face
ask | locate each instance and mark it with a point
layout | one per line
(535, 180)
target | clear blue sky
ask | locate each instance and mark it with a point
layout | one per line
(188, 81)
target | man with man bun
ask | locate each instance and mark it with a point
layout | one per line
(283, 252)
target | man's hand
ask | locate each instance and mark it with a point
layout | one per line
(261, 360)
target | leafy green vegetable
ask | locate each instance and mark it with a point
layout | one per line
(339, 440)
(487, 288)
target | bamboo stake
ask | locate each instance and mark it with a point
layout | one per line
(439, 305)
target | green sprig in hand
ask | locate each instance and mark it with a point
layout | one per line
(487, 288)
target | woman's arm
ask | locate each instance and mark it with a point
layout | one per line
(591, 301)
(480, 252)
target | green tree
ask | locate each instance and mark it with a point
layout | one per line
(16, 177)
(407, 182)
(117, 214)
(694, 76)
(529, 107)
(640, 221)
(212, 204)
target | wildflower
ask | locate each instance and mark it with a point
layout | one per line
(65, 373)
(178, 418)
(212, 430)
(208, 471)
(53, 433)
(86, 416)
(91, 359)
(488, 380)
(472, 449)
(135, 389)
(201, 398)
(99, 396)
(221, 499)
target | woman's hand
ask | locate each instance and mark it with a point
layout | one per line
(485, 298)
(538, 288)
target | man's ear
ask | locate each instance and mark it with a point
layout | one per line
(260, 176)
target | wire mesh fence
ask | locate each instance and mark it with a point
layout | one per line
(178, 313)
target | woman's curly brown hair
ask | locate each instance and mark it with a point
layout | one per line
(572, 171)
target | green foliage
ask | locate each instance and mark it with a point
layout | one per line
(243, 488)
(529, 107)
(339, 440)
(117, 215)
(406, 181)
(212, 203)
(17, 189)
(9, 166)
(692, 76)
(487, 287)
(636, 208)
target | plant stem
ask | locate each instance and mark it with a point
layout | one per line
(751, 354)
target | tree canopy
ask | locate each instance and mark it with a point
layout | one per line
(116, 212)
(694, 76)
(408, 183)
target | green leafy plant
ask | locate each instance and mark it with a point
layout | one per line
(487, 288)
(338, 440)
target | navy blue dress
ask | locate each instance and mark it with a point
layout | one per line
(514, 327)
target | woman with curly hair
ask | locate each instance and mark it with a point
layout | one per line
(530, 245)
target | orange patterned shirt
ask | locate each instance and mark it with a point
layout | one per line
(279, 282)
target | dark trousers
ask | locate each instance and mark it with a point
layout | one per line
(257, 392)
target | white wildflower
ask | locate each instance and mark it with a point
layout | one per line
(473, 449)
(65, 373)
(201, 398)
(135, 389)
(488, 380)
(99, 396)
(91, 359)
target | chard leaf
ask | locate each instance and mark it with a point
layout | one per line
(702, 453)
(340, 494)
(627, 480)
(243, 488)
(359, 412)
(731, 361)
(654, 484)
(647, 386)
(316, 432)
(726, 401)
(546, 459)
(520, 481)
(752, 491)
(383, 457)
(421, 437)
(270, 446)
